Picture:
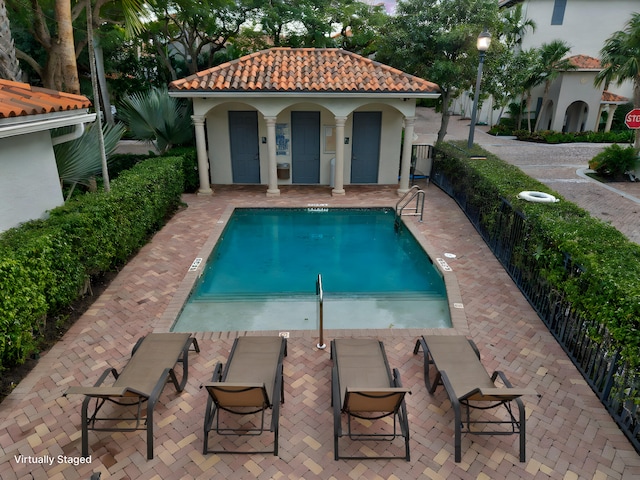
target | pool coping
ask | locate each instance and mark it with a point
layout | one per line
(182, 293)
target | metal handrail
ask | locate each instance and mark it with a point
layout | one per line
(418, 210)
(320, 292)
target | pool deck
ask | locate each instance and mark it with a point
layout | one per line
(569, 433)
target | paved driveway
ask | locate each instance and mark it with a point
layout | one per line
(557, 166)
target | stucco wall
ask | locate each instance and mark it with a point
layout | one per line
(219, 146)
(29, 184)
(585, 27)
(577, 86)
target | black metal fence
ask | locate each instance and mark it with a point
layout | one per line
(617, 385)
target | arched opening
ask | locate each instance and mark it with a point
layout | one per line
(575, 117)
(546, 116)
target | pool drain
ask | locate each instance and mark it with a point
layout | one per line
(445, 266)
(194, 266)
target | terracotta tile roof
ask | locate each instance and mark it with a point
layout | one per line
(583, 62)
(326, 70)
(609, 97)
(21, 99)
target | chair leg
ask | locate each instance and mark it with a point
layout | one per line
(337, 418)
(85, 427)
(150, 431)
(208, 422)
(523, 434)
(458, 433)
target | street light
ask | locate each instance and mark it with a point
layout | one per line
(484, 40)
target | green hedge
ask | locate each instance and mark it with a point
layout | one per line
(608, 287)
(550, 136)
(45, 264)
(123, 162)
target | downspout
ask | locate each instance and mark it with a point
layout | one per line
(76, 133)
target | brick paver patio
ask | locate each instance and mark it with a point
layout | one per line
(570, 435)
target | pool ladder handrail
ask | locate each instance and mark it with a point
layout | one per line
(320, 292)
(416, 193)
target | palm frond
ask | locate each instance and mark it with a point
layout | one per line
(156, 117)
(79, 160)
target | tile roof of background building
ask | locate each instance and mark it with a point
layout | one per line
(584, 62)
(304, 70)
(609, 97)
(21, 99)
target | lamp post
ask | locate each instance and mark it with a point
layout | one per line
(484, 40)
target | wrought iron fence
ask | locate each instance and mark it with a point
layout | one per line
(614, 382)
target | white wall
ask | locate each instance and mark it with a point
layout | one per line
(586, 26)
(577, 86)
(29, 182)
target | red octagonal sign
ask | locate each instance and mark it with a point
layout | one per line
(632, 119)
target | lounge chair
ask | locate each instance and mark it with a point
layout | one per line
(363, 387)
(454, 361)
(142, 380)
(250, 383)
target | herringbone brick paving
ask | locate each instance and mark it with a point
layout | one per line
(570, 435)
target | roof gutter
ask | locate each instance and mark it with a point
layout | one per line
(77, 132)
(50, 123)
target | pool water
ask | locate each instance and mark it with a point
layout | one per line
(262, 274)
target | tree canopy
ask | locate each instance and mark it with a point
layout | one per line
(621, 60)
(436, 40)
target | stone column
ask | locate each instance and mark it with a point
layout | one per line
(612, 110)
(272, 190)
(203, 158)
(600, 109)
(338, 185)
(405, 167)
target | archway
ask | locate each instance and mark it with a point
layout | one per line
(575, 117)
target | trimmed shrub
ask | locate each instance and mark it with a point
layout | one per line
(189, 167)
(22, 310)
(45, 264)
(587, 262)
(549, 136)
(614, 160)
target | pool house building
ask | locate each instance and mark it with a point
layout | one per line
(308, 116)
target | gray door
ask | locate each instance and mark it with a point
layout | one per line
(243, 138)
(365, 147)
(305, 147)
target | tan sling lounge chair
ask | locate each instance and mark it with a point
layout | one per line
(454, 361)
(362, 386)
(142, 380)
(250, 383)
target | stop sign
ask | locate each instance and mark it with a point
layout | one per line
(632, 119)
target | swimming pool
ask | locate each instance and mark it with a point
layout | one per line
(262, 273)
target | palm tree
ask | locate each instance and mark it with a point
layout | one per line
(9, 66)
(66, 46)
(132, 10)
(514, 27)
(621, 60)
(157, 118)
(552, 64)
(80, 161)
